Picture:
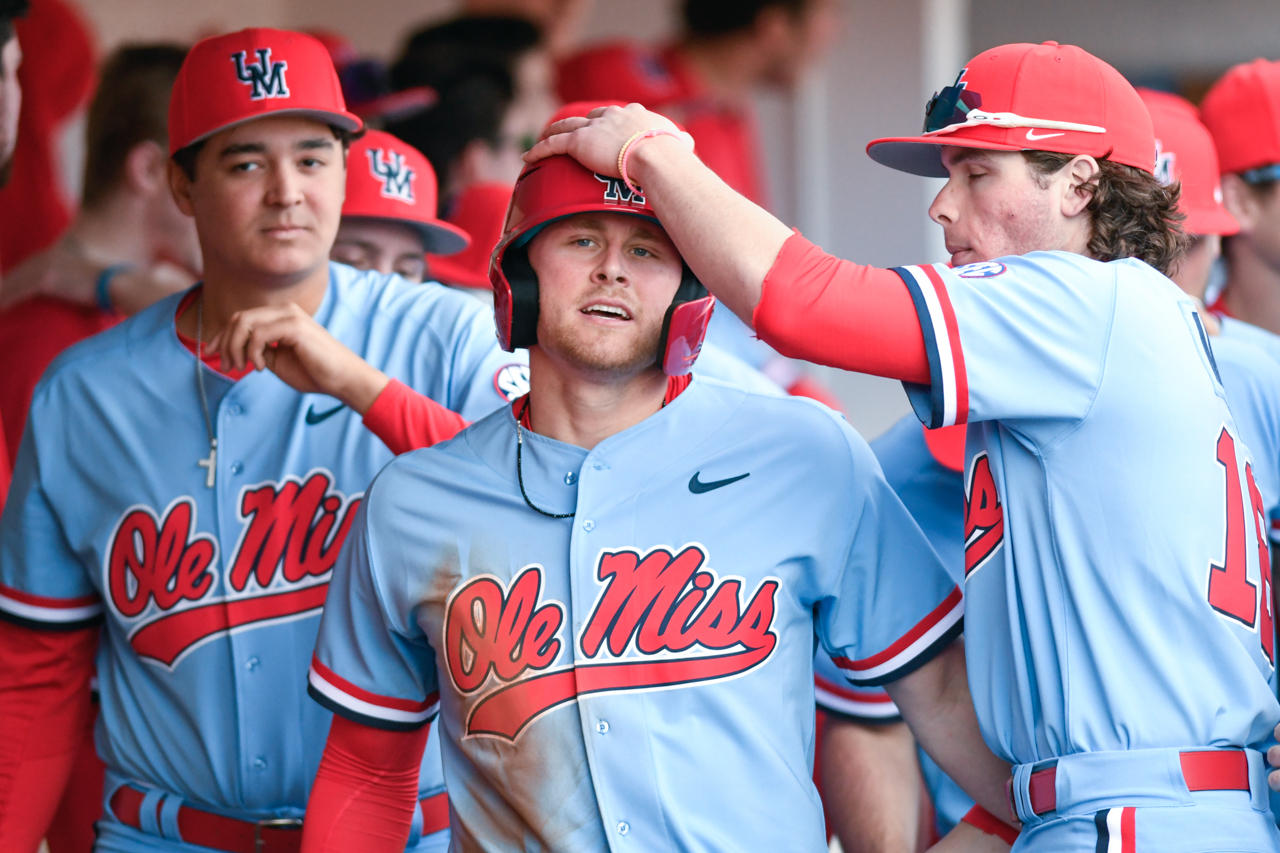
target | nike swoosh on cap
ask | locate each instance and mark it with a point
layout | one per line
(698, 487)
(313, 418)
(1033, 136)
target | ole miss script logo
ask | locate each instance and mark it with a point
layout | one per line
(663, 619)
(163, 574)
(983, 515)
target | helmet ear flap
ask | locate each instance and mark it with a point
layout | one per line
(685, 326)
(523, 282)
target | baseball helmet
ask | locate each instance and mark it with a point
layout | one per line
(390, 180)
(559, 187)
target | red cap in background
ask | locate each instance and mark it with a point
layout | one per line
(1242, 111)
(390, 180)
(230, 79)
(1185, 152)
(479, 210)
(1036, 97)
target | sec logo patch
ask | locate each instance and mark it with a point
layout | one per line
(512, 381)
(984, 269)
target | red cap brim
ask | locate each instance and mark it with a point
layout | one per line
(922, 155)
(1212, 220)
(349, 122)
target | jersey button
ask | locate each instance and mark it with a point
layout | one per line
(599, 466)
(623, 827)
(570, 478)
(588, 525)
(234, 409)
(237, 467)
(259, 763)
(603, 727)
(252, 663)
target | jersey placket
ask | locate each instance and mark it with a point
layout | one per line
(614, 727)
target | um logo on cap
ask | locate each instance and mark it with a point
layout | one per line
(617, 191)
(396, 177)
(265, 78)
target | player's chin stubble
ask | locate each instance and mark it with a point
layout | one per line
(599, 351)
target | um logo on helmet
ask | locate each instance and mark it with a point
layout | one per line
(396, 177)
(617, 191)
(265, 78)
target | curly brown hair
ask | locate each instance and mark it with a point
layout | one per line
(1134, 215)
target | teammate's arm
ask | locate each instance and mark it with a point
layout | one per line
(303, 354)
(44, 708)
(871, 785)
(365, 790)
(935, 702)
(967, 838)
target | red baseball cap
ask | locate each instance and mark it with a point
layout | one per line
(1029, 97)
(1185, 152)
(479, 210)
(230, 79)
(390, 180)
(1242, 111)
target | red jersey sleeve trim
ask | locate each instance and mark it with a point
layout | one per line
(913, 649)
(41, 611)
(406, 420)
(341, 696)
(852, 702)
(948, 392)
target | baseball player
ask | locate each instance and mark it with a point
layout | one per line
(194, 514)
(1111, 502)
(618, 661)
(389, 219)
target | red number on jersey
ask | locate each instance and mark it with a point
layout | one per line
(1260, 522)
(1230, 591)
(983, 515)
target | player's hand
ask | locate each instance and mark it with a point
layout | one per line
(1273, 758)
(289, 342)
(595, 141)
(66, 274)
(135, 289)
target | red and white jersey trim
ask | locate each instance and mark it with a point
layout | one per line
(55, 611)
(868, 704)
(342, 692)
(911, 644)
(946, 341)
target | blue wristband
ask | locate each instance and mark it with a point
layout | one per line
(101, 290)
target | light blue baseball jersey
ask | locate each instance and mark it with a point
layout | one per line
(212, 596)
(1232, 329)
(633, 677)
(933, 492)
(717, 363)
(1111, 509)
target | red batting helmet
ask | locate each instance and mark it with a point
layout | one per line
(559, 187)
(390, 180)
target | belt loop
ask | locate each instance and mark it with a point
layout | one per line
(1259, 790)
(149, 812)
(1022, 794)
(169, 817)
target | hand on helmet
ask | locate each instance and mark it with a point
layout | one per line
(596, 140)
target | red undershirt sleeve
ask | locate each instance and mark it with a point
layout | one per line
(990, 824)
(406, 420)
(44, 708)
(830, 311)
(365, 790)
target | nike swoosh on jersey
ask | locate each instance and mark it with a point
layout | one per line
(698, 487)
(1033, 136)
(313, 418)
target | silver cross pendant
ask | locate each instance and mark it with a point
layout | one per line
(210, 464)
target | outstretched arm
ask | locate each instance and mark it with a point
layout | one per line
(365, 790)
(935, 702)
(871, 785)
(804, 302)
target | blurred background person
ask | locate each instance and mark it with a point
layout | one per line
(389, 219)
(10, 89)
(560, 21)
(57, 78)
(127, 221)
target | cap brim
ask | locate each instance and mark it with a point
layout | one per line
(438, 238)
(347, 121)
(922, 155)
(449, 271)
(1214, 220)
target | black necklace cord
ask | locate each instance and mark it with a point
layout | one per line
(520, 471)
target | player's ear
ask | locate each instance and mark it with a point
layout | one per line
(145, 168)
(1077, 189)
(1241, 201)
(180, 186)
